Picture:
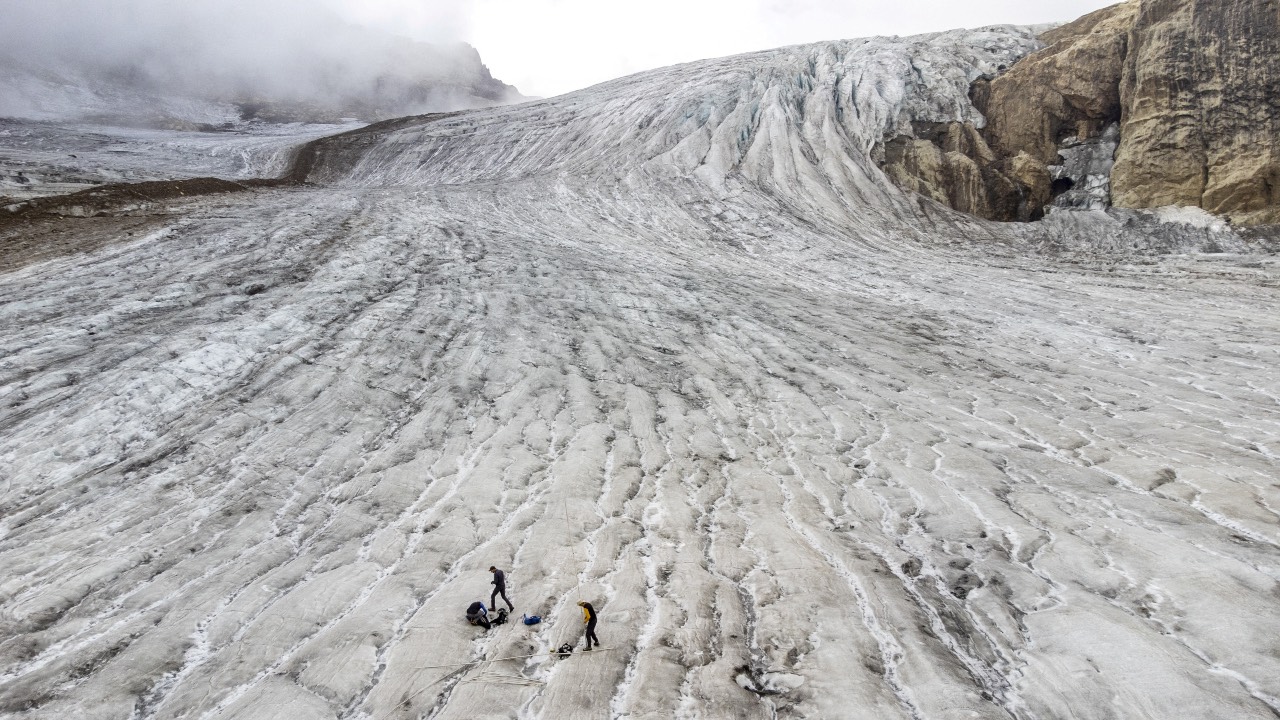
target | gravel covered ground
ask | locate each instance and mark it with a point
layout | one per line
(811, 447)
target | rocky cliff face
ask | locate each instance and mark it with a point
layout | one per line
(953, 164)
(1182, 95)
(1201, 99)
(1066, 94)
(1069, 89)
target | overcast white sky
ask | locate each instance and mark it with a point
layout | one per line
(548, 47)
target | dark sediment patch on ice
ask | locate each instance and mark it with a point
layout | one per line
(129, 198)
(50, 227)
(34, 239)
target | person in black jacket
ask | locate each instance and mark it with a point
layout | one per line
(499, 584)
(589, 617)
(477, 615)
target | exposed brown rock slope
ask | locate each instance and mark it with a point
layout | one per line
(1072, 87)
(953, 164)
(1201, 98)
(1193, 84)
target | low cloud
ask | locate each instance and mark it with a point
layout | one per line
(292, 51)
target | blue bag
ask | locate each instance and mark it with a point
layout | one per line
(531, 619)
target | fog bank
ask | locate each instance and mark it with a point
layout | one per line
(270, 53)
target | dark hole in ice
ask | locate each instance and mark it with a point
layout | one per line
(750, 679)
(1062, 185)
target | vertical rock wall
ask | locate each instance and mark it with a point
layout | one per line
(1201, 98)
(1192, 85)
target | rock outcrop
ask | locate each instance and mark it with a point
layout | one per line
(1201, 99)
(1069, 89)
(1068, 92)
(1183, 96)
(952, 163)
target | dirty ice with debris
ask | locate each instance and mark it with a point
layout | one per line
(812, 446)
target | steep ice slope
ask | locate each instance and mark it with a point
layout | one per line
(799, 126)
(799, 123)
(813, 447)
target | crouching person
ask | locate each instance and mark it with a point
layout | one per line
(478, 615)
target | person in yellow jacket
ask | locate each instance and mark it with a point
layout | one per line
(589, 617)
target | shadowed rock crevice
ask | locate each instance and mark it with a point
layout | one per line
(953, 164)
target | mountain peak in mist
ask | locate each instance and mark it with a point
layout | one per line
(147, 61)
